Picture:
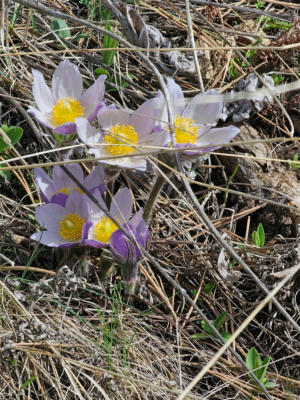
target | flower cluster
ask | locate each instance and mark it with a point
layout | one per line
(122, 138)
(70, 217)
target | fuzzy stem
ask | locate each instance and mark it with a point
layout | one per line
(158, 185)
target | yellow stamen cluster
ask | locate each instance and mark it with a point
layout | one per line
(118, 137)
(185, 131)
(66, 110)
(104, 228)
(67, 190)
(70, 227)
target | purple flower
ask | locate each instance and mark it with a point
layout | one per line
(58, 107)
(123, 134)
(64, 226)
(102, 227)
(126, 252)
(58, 188)
(193, 123)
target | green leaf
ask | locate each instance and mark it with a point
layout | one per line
(253, 359)
(261, 235)
(270, 385)
(219, 321)
(295, 163)
(61, 28)
(206, 328)
(226, 335)
(14, 134)
(101, 71)
(260, 373)
(209, 287)
(28, 382)
(108, 43)
(5, 174)
(199, 336)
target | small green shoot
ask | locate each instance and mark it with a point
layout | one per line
(28, 382)
(295, 163)
(9, 136)
(259, 368)
(60, 27)
(15, 16)
(229, 181)
(258, 237)
(232, 70)
(209, 287)
(109, 43)
(272, 23)
(259, 4)
(251, 53)
(277, 79)
(217, 323)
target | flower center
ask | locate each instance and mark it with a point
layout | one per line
(70, 227)
(118, 137)
(185, 132)
(67, 190)
(104, 228)
(66, 110)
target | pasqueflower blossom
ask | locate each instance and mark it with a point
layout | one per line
(123, 134)
(58, 107)
(64, 226)
(58, 188)
(102, 227)
(127, 252)
(193, 123)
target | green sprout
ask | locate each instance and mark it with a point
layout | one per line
(259, 4)
(217, 323)
(258, 237)
(295, 163)
(259, 368)
(277, 79)
(9, 136)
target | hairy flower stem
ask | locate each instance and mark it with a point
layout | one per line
(158, 185)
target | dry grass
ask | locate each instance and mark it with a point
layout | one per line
(69, 334)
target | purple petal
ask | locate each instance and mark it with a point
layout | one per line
(92, 97)
(95, 243)
(61, 179)
(86, 132)
(66, 129)
(77, 203)
(85, 230)
(95, 211)
(51, 239)
(145, 117)
(108, 117)
(42, 94)
(95, 180)
(93, 115)
(121, 205)
(202, 112)
(66, 81)
(217, 136)
(121, 246)
(44, 183)
(42, 118)
(176, 96)
(140, 227)
(60, 199)
(157, 140)
(68, 244)
(49, 215)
